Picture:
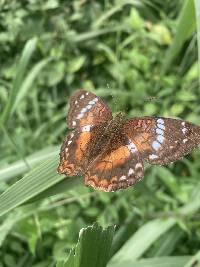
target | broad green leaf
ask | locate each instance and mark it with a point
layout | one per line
(34, 183)
(92, 249)
(186, 25)
(17, 83)
(174, 261)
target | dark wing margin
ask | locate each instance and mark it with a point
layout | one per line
(87, 109)
(162, 140)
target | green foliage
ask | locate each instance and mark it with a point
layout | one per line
(141, 57)
(92, 249)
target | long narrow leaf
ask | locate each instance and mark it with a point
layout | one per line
(185, 28)
(32, 184)
(21, 70)
(197, 8)
(28, 82)
(135, 247)
(175, 261)
(20, 167)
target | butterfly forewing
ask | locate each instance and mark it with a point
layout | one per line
(87, 109)
(119, 166)
(162, 140)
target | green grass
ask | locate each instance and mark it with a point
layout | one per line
(127, 52)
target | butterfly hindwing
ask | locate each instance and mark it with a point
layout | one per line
(115, 168)
(87, 109)
(162, 140)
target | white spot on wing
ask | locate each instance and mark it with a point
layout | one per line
(69, 142)
(73, 123)
(122, 178)
(160, 138)
(161, 126)
(185, 140)
(159, 131)
(131, 146)
(184, 130)
(131, 171)
(89, 106)
(153, 156)
(138, 165)
(156, 145)
(83, 110)
(80, 116)
(160, 121)
(86, 128)
(82, 96)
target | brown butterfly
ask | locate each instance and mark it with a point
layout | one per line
(110, 151)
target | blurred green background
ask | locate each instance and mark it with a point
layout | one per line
(141, 58)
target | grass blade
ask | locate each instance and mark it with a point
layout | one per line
(31, 185)
(135, 247)
(28, 82)
(186, 25)
(22, 166)
(17, 83)
(175, 261)
(197, 8)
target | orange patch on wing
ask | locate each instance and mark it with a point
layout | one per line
(115, 158)
(82, 145)
(96, 111)
(103, 183)
(141, 141)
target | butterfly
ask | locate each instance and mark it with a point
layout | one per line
(110, 152)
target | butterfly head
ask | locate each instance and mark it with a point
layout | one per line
(119, 117)
(117, 123)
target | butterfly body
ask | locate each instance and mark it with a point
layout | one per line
(109, 151)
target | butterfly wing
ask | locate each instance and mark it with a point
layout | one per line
(119, 166)
(71, 153)
(162, 140)
(87, 109)
(75, 150)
